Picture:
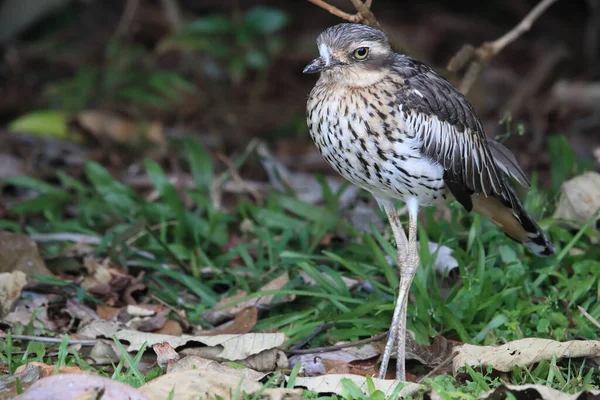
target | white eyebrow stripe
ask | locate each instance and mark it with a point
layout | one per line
(324, 52)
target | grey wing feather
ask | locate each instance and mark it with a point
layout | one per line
(451, 133)
(507, 162)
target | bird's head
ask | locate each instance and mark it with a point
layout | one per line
(352, 54)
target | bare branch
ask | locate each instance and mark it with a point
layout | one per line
(363, 15)
(522, 27)
(335, 11)
(480, 57)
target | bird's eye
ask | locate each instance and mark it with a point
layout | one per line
(361, 53)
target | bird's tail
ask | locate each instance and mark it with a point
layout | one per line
(514, 222)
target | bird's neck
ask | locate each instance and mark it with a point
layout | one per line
(353, 78)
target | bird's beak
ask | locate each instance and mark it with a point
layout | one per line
(314, 66)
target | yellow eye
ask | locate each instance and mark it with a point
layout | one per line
(361, 53)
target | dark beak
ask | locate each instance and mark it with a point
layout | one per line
(314, 66)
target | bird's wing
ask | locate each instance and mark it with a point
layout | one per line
(450, 133)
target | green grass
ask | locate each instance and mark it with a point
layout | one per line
(500, 293)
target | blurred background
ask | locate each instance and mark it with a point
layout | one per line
(113, 80)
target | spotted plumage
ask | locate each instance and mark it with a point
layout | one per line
(392, 126)
(402, 131)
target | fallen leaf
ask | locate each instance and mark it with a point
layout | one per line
(172, 328)
(78, 387)
(140, 311)
(192, 385)
(165, 354)
(523, 352)
(44, 123)
(19, 253)
(81, 312)
(228, 347)
(107, 313)
(333, 384)
(221, 311)
(149, 324)
(99, 328)
(105, 281)
(27, 306)
(306, 187)
(11, 285)
(243, 322)
(104, 353)
(12, 166)
(537, 392)
(48, 370)
(104, 125)
(204, 364)
(580, 200)
(444, 260)
(25, 378)
(336, 362)
(267, 360)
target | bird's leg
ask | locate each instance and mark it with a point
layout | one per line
(402, 252)
(407, 273)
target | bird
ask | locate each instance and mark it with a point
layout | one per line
(391, 125)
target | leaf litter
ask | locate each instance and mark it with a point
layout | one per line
(220, 359)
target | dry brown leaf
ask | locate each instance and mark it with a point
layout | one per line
(268, 360)
(11, 285)
(243, 322)
(580, 199)
(26, 306)
(221, 312)
(104, 125)
(351, 360)
(19, 253)
(80, 386)
(165, 354)
(333, 384)
(107, 313)
(25, 378)
(104, 353)
(204, 364)
(80, 312)
(523, 352)
(306, 187)
(228, 347)
(48, 370)
(537, 392)
(172, 328)
(149, 324)
(193, 384)
(99, 328)
(105, 281)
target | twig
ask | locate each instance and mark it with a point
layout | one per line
(522, 27)
(480, 57)
(363, 15)
(172, 13)
(440, 366)
(589, 317)
(83, 342)
(336, 347)
(128, 13)
(235, 175)
(336, 11)
(322, 328)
